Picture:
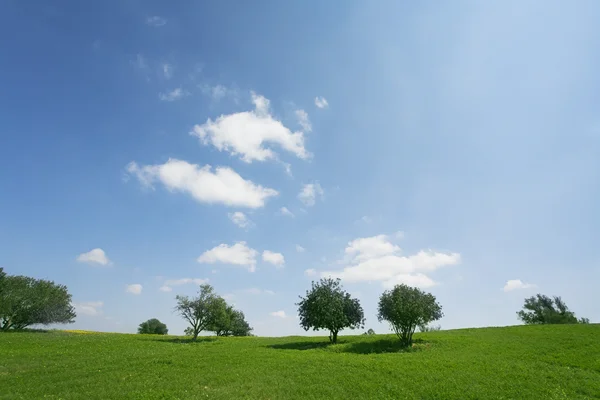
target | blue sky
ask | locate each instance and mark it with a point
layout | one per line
(149, 145)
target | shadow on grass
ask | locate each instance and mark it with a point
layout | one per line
(28, 330)
(358, 347)
(301, 345)
(186, 340)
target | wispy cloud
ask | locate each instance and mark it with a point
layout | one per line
(156, 21)
(321, 102)
(173, 95)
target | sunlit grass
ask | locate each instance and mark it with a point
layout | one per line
(536, 362)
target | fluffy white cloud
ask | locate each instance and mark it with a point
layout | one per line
(515, 284)
(371, 247)
(238, 254)
(165, 288)
(134, 288)
(173, 95)
(246, 134)
(377, 259)
(286, 212)
(300, 249)
(240, 219)
(91, 308)
(167, 70)
(278, 314)
(310, 192)
(222, 186)
(310, 272)
(273, 258)
(303, 120)
(95, 256)
(156, 21)
(321, 102)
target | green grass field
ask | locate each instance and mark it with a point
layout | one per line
(526, 362)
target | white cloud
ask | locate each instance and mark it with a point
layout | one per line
(515, 284)
(273, 258)
(286, 212)
(222, 186)
(376, 259)
(219, 92)
(240, 219)
(156, 21)
(278, 314)
(366, 219)
(238, 254)
(303, 120)
(310, 192)
(167, 70)
(90, 308)
(300, 249)
(173, 95)
(95, 256)
(370, 247)
(178, 282)
(134, 288)
(310, 272)
(246, 134)
(321, 102)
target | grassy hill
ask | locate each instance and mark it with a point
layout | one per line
(526, 362)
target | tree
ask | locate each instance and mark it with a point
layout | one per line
(153, 327)
(26, 301)
(200, 312)
(231, 323)
(405, 308)
(541, 309)
(328, 306)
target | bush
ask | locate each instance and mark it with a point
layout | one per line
(153, 327)
(540, 309)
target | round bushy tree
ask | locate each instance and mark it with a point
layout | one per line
(405, 308)
(153, 327)
(328, 306)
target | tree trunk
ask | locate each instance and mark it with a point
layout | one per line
(333, 337)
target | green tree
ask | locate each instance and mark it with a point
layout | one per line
(541, 309)
(328, 306)
(153, 327)
(26, 301)
(405, 308)
(201, 312)
(230, 322)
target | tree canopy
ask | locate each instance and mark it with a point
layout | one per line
(541, 309)
(26, 301)
(210, 312)
(328, 306)
(405, 308)
(153, 327)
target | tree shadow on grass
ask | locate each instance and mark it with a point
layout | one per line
(30, 330)
(179, 340)
(301, 345)
(358, 347)
(384, 346)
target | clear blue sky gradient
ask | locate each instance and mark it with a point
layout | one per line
(473, 127)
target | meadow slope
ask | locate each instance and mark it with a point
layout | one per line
(524, 362)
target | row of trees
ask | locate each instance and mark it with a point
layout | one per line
(210, 312)
(26, 301)
(328, 306)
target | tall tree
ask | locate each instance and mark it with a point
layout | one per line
(25, 301)
(328, 306)
(202, 311)
(153, 327)
(541, 309)
(405, 308)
